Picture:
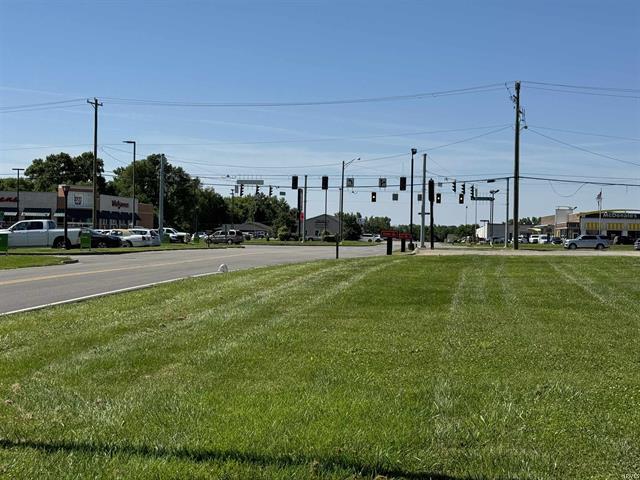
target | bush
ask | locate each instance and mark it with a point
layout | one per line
(284, 234)
(294, 237)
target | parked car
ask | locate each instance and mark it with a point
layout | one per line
(622, 240)
(228, 236)
(544, 238)
(40, 233)
(534, 238)
(556, 240)
(130, 238)
(176, 236)
(370, 237)
(101, 240)
(153, 239)
(587, 241)
(199, 235)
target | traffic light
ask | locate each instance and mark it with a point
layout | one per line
(432, 190)
(403, 183)
(473, 191)
(373, 196)
(382, 182)
(257, 189)
(453, 186)
(464, 188)
(270, 190)
(294, 182)
(325, 183)
(241, 189)
(438, 198)
(460, 198)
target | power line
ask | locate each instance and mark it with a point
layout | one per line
(582, 92)
(44, 104)
(589, 134)
(582, 149)
(390, 98)
(583, 87)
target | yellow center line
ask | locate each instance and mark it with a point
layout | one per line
(119, 269)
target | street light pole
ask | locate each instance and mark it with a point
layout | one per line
(342, 202)
(424, 186)
(133, 182)
(18, 170)
(65, 190)
(493, 198)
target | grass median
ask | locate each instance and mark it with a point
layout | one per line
(21, 261)
(405, 367)
(115, 251)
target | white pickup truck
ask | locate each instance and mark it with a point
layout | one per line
(40, 233)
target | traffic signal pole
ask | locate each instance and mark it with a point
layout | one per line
(424, 188)
(432, 188)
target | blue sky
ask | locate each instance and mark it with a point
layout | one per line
(276, 51)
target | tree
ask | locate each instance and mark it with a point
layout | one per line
(180, 189)
(351, 227)
(10, 184)
(377, 224)
(212, 210)
(62, 168)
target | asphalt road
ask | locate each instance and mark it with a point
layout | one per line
(25, 288)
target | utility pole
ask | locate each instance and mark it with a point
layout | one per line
(516, 170)
(304, 219)
(95, 105)
(506, 220)
(161, 199)
(424, 187)
(133, 182)
(342, 202)
(18, 170)
(411, 246)
(493, 199)
(432, 187)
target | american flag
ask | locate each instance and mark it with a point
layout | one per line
(599, 196)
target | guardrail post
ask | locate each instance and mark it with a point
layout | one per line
(389, 245)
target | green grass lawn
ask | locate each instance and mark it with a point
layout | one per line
(13, 261)
(466, 367)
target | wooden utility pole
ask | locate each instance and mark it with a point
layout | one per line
(94, 182)
(516, 169)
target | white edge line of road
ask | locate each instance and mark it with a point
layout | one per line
(104, 294)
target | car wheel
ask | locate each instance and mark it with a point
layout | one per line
(573, 246)
(127, 244)
(102, 244)
(599, 246)
(229, 242)
(59, 243)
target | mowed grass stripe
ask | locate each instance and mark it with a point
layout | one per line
(461, 367)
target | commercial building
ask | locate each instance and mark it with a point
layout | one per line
(496, 230)
(315, 226)
(611, 223)
(113, 211)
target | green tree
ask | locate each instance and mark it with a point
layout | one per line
(376, 224)
(61, 168)
(212, 211)
(181, 195)
(9, 184)
(351, 227)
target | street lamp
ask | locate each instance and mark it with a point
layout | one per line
(493, 197)
(344, 165)
(65, 190)
(133, 182)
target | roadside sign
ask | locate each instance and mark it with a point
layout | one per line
(395, 234)
(250, 182)
(85, 240)
(4, 243)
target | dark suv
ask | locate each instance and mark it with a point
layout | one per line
(229, 237)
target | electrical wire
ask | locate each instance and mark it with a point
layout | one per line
(582, 149)
(390, 98)
(583, 87)
(565, 196)
(582, 92)
(589, 134)
(43, 104)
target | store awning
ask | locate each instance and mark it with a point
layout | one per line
(37, 212)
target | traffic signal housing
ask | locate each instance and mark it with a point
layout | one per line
(373, 196)
(241, 189)
(403, 183)
(453, 186)
(464, 188)
(438, 198)
(294, 182)
(461, 198)
(325, 183)
(270, 190)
